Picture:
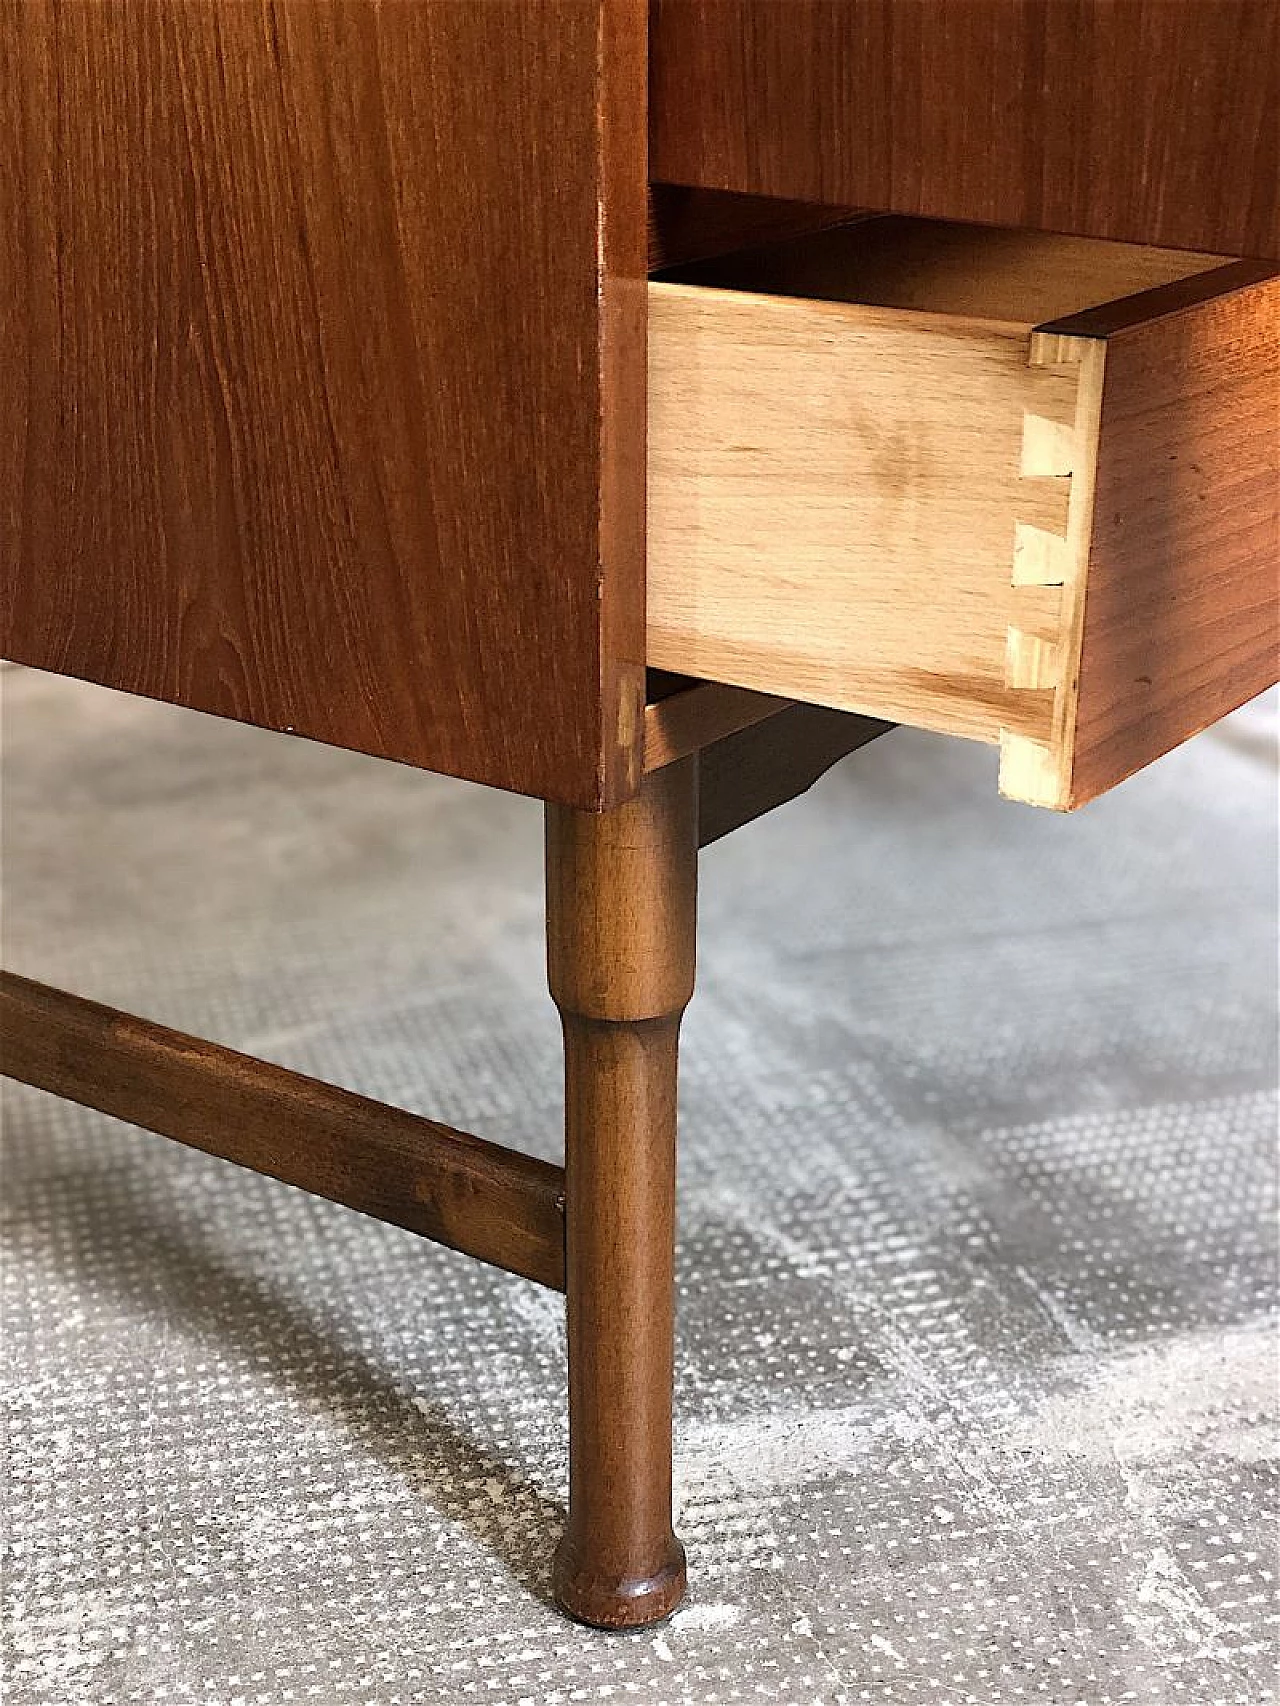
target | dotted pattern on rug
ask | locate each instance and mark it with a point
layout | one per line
(976, 1364)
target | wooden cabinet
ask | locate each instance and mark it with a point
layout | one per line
(324, 340)
(323, 406)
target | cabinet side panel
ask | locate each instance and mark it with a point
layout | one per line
(1182, 608)
(323, 343)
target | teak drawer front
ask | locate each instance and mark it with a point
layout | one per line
(1055, 532)
(1152, 121)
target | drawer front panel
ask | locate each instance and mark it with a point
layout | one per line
(1151, 121)
(1181, 616)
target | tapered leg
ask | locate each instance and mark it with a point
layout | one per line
(621, 898)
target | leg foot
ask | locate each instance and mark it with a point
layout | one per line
(617, 1604)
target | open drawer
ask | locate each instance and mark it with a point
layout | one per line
(1016, 487)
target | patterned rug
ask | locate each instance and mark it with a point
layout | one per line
(976, 1369)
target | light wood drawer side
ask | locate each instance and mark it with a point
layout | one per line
(1057, 539)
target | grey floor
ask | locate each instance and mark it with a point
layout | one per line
(977, 1375)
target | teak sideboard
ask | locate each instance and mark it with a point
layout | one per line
(639, 407)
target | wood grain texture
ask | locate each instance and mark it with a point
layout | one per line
(833, 493)
(323, 342)
(694, 716)
(754, 770)
(490, 1202)
(838, 471)
(621, 906)
(1151, 121)
(1181, 620)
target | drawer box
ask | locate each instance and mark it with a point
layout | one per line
(1015, 487)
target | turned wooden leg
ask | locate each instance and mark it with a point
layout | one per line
(621, 895)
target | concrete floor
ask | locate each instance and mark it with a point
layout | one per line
(977, 1377)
